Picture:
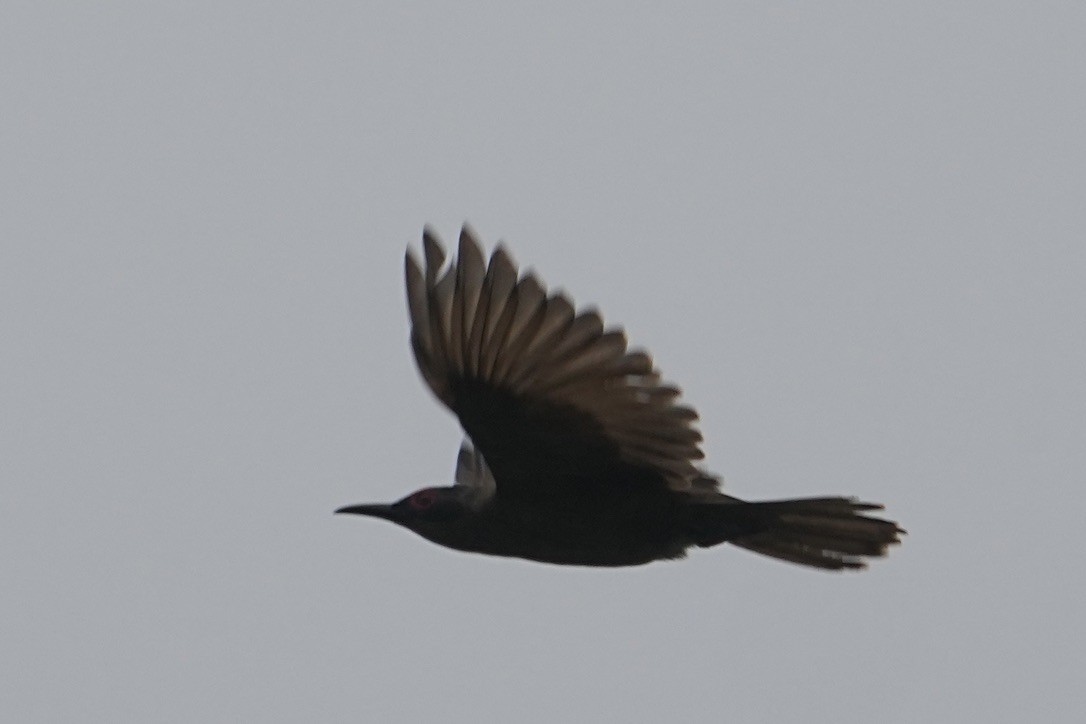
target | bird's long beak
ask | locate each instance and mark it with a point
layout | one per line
(373, 510)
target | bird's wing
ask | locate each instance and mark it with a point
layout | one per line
(546, 393)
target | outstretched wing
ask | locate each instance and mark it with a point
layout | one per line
(547, 394)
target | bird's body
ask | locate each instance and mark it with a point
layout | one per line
(578, 453)
(612, 537)
(616, 522)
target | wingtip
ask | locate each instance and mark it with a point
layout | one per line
(468, 235)
(411, 263)
(433, 252)
(469, 251)
(430, 235)
(501, 261)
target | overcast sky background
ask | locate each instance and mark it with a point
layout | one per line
(855, 233)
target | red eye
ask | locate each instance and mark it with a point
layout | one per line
(423, 499)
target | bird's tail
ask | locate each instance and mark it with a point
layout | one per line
(827, 533)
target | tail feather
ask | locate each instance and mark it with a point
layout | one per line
(827, 533)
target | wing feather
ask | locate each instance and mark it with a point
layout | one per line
(545, 392)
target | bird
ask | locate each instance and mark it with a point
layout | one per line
(575, 450)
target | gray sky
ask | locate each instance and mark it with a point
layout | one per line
(854, 233)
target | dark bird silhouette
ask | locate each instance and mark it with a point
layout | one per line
(576, 452)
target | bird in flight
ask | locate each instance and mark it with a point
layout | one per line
(576, 452)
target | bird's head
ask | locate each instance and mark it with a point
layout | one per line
(422, 510)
